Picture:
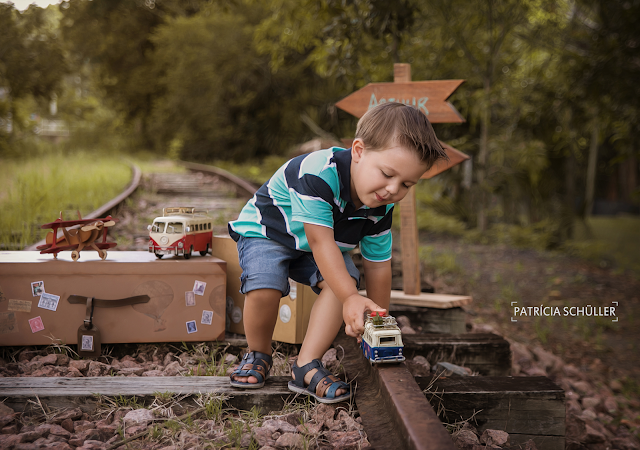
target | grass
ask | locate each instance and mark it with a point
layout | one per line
(614, 238)
(35, 191)
(442, 263)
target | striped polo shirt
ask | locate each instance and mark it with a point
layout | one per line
(315, 188)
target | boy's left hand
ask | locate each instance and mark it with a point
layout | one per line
(353, 313)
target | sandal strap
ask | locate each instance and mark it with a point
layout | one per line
(337, 384)
(323, 381)
(255, 364)
(300, 372)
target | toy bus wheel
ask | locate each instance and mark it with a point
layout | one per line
(204, 253)
(187, 255)
(103, 254)
(75, 255)
(159, 255)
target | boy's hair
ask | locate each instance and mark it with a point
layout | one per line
(397, 123)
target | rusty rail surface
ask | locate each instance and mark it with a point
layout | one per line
(242, 184)
(395, 412)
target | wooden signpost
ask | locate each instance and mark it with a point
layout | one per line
(430, 98)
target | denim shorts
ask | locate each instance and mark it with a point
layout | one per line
(267, 264)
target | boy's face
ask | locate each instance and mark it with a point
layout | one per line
(381, 177)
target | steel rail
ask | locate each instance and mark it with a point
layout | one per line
(243, 184)
(395, 412)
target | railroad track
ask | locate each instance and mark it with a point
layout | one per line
(395, 411)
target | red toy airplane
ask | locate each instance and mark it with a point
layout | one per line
(76, 239)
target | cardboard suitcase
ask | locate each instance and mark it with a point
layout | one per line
(294, 310)
(137, 297)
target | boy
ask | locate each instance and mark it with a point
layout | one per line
(304, 220)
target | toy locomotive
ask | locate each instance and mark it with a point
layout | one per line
(382, 340)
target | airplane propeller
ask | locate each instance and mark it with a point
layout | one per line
(98, 225)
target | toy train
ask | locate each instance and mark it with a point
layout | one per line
(382, 340)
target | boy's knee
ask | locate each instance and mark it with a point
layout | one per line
(264, 295)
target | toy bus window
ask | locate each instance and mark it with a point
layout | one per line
(387, 340)
(158, 227)
(200, 227)
(209, 226)
(174, 228)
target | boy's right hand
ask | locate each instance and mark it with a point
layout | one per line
(353, 313)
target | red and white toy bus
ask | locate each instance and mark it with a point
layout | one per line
(180, 231)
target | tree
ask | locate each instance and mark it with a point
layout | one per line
(115, 37)
(221, 99)
(31, 56)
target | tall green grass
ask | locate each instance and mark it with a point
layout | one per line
(612, 237)
(34, 191)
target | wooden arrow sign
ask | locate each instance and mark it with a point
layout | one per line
(428, 96)
(455, 158)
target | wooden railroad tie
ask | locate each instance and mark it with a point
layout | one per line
(62, 392)
(485, 353)
(525, 407)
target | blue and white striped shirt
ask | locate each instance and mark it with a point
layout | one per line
(315, 188)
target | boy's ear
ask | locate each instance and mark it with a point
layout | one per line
(357, 148)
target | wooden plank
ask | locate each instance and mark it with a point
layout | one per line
(411, 280)
(394, 412)
(485, 353)
(432, 320)
(524, 407)
(62, 392)
(425, 299)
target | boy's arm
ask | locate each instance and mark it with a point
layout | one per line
(378, 278)
(331, 264)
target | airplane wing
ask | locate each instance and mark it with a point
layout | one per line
(70, 223)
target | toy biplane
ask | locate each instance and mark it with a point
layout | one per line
(78, 235)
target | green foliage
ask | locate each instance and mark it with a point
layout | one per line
(589, 250)
(608, 239)
(234, 430)
(257, 172)
(214, 408)
(430, 220)
(539, 236)
(219, 95)
(127, 401)
(32, 66)
(231, 81)
(442, 263)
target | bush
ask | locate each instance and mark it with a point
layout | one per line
(539, 236)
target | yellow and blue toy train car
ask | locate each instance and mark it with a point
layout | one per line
(382, 339)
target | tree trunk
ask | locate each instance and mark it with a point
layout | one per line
(569, 196)
(591, 172)
(483, 155)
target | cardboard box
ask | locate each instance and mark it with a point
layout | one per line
(123, 274)
(295, 309)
